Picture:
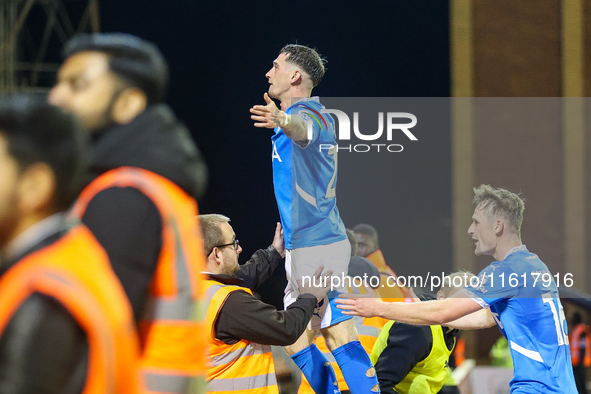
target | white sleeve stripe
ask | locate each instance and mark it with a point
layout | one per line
(527, 353)
(478, 300)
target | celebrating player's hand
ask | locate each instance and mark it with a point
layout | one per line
(268, 116)
(366, 305)
(278, 241)
(319, 278)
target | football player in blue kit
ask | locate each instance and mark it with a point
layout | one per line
(517, 291)
(304, 154)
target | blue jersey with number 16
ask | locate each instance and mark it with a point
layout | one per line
(305, 179)
(523, 298)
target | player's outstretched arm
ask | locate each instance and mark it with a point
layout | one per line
(474, 321)
(417, 313)
(269, 116)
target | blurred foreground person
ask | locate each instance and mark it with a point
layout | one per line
(66, 325)
(141, 201)
(241, 328)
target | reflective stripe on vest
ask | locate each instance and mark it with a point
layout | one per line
(234, 384)
(575, 345)
(243, 366)
(172, 346)
(75, 271)
(232, 356)
(174, 384)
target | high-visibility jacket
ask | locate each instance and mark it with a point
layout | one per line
(240, 368)
(172, 347)
(449, 378)
(368, 329)
(575, 345)
(388, 290)
(75, 271)
(429, 374)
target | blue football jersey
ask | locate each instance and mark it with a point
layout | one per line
(305, 180)
(523, 298)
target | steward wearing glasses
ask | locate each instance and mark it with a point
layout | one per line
(242, 327)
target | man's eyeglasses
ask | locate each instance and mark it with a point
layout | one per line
(234, 244)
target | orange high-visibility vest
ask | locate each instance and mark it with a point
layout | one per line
(240, 368)
(388, 289)
(171, 340)
(368, 329)
(575, 339)
(76, 272)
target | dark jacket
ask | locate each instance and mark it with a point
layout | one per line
(124, 220)
(42, 349)
(245, 317)
(407, 346)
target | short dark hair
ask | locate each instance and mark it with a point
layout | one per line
(37, 132)
(307, 59)
(137, 62)
(367, 229)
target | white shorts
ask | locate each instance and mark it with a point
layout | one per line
(303, 262)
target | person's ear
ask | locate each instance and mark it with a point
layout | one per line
(130, 103)
(214, 260)
(217, 254)
(296, 78)
(499, 227)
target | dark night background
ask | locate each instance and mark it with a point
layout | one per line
(219, 52)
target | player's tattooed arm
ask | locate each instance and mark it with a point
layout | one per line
(270, 117)
(276, 119)
(297, 128)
